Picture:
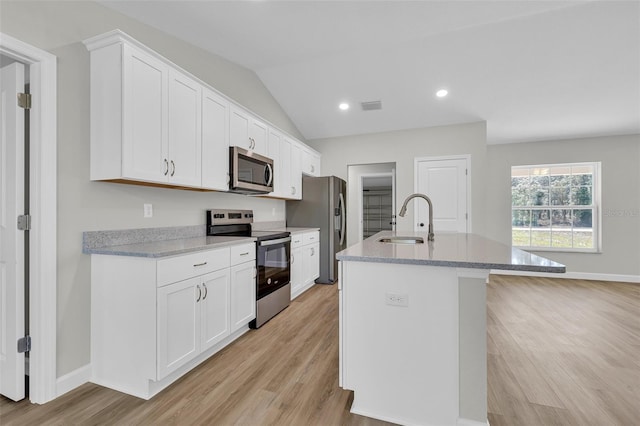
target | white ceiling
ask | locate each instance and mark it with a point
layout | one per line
(534, 70)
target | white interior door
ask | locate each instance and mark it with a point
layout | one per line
(444, 181)
(12, 381)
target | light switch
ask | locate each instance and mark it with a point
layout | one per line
(148, 210)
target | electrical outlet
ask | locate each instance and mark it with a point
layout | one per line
(148, 210)
(395, 299)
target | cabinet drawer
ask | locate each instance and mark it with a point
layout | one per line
(180, 268)
(243, 253)
(311, 237)
(297, 240)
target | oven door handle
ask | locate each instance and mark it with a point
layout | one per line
(273, 242)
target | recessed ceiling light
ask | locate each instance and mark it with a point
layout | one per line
(343, 106)
(442, 93)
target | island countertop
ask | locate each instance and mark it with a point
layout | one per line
(457, 250)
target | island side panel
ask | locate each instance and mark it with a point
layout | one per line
(401, 361)
(473, 345)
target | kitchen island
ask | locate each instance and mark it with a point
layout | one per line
(413, 324)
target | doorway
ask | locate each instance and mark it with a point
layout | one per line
(39, 302)
(378, 203)
(366, 176)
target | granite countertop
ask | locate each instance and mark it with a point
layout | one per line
(299, 230)
(155, 249)
(449, 250)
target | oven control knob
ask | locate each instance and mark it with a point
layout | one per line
(268, 280)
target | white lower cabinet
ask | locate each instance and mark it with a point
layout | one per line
(243, 294)
(305, 261)
(154, 320)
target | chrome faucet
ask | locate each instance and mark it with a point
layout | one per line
(403, 211)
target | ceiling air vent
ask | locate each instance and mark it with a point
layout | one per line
(371, 106)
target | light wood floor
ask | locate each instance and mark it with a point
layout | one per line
(560, 352)
(563, 352)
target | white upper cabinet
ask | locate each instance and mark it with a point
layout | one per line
(141, 115)
(247, 131)
(215, 134)
(153, 122)
(310, 162)
(273, 152)
(185, 135)
(296, 170)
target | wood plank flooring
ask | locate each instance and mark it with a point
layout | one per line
(560, 352)
(563, 352)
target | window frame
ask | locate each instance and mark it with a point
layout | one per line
(595, 206)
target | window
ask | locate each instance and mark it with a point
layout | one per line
(555, 207)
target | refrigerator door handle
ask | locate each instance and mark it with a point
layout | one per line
(343, 219)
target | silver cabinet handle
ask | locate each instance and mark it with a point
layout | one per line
(313, 169)
(255, 272)
(195, 265)
(205, 291)
(173, 168)
(292, 259)
(199, 293)
(313, 252)
(244, 254)
(166, 167)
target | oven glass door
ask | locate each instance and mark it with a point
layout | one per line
(273, 265)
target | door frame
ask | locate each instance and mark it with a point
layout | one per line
(392, 175)
(43, 199)
(467, 158)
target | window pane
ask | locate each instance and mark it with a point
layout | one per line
(583, 218)
(540, 197)
(539, 181)
(521, 237)
(560, 196)
(582, 195)
(540, 228)
(521, 218)
(519, 196)
(520, 233)
(583, 239)
(561, 232)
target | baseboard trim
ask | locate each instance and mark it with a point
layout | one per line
(635, 279)
(72, 380)
(468, 422)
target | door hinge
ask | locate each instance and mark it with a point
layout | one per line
(24, 222)
(466, 172)
(24, 100)
(24, 344)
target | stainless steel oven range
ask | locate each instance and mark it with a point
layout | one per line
(273, 254)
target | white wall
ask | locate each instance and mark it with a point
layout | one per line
(402, 147)
(620, 197)
(60, 27)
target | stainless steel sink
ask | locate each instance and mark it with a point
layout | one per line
(402, 240)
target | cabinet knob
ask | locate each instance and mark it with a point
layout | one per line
(421, 224)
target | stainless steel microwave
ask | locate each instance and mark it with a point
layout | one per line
(249, 173)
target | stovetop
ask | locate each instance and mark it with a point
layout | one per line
(238, 223)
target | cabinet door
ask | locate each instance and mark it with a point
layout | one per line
(273, 152)
(214, 308)
(297, 270)
(311, 262)
(243, 294)
(144, 117)
(296, 171)
(178, 324)
(310, 163)
(185, 136)
(285, 169)
(215, 141)
(239, 123)
(259, 132)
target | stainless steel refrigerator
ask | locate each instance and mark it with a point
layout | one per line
(323, 206)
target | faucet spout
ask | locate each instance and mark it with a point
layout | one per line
(403, 211)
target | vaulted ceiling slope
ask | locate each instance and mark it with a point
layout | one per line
(534, 70)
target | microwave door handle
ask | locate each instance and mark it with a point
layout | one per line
(270, 178)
